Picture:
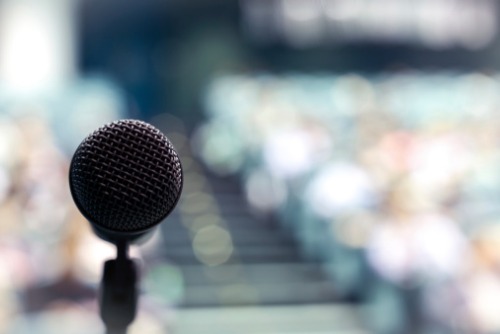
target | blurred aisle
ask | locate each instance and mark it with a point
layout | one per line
(230, 257)
(242, 273)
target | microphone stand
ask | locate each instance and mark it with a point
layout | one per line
(118, 293)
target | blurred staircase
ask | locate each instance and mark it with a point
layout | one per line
(242, 273)
(264, 267)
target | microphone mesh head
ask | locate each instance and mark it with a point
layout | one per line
(126, 176)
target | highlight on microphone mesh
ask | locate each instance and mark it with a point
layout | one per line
(126, 176)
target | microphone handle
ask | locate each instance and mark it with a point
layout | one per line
(116, 330)
(119, 292)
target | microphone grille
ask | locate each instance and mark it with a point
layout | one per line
(126, 176)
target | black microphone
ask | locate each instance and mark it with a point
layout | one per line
(125, 178)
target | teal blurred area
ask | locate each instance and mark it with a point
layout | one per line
(341, 162)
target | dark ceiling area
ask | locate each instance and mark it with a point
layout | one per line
(163, 52)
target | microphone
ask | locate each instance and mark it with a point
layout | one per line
(125, 178)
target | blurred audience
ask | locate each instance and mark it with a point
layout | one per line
(390, 180)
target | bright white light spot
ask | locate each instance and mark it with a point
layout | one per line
(35, 45)
(301, 10)
(213, 245)
(264, 192)
(343, 10)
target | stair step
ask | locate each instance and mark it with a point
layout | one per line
(239, 237)
(301, 319)
(234, 200)
(253, 273)
(232, 220)
(223, 182)
(280, 293)
(244, 254)
(237, 220)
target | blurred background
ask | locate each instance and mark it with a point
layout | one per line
(341, 160)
